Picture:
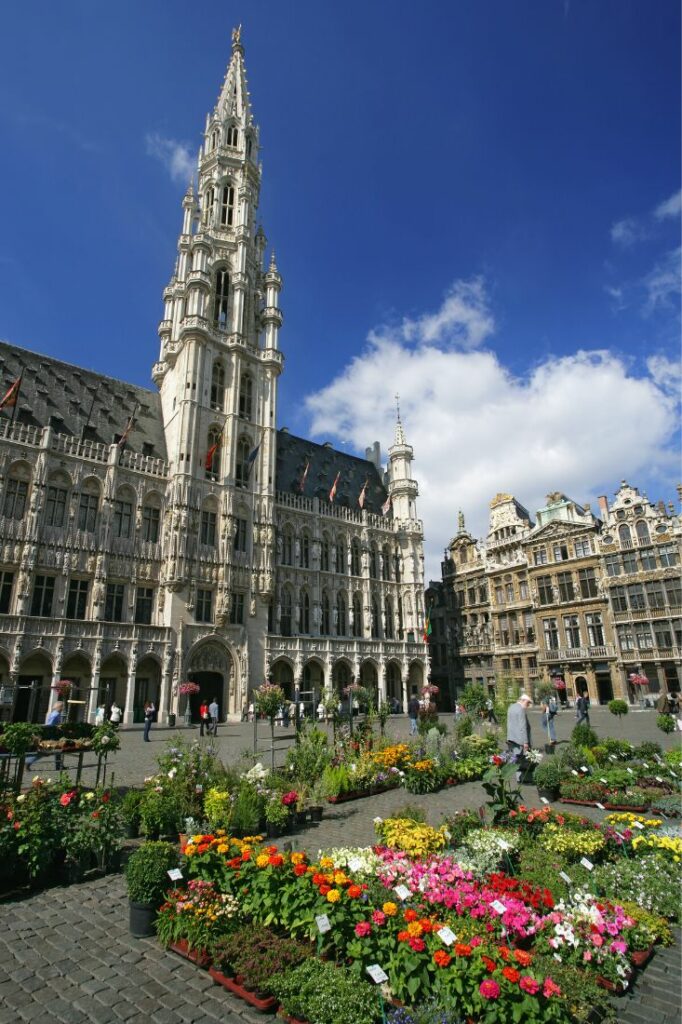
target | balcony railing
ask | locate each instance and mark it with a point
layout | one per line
(578, 653)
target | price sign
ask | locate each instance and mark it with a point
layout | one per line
(447, 935)
(586, 863)
(354, 864)
(637, 824)
(583, 768)
(630, 770)
(377, 974)
(544, 800)
(574, 772)
(605, 781)
(601, 807)
(645, 764)
(323, 925)
(620, 835)
(673, 773)
(612, 757)
(175, 874)
(567, 880)
(498, 906)
(402, 892)
(503, 844)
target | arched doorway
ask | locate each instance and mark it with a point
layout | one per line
(313, 685)
(113, 679)
(76, 668)
(394, 686)
(283, 675)
(416, 677)
(147, 686)
(341, 676)
(369, 678)
(32, 694)
(210, 665)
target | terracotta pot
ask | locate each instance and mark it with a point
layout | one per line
(197, 956)
(218, 977)
(642, 956)
(268, 1005)
(622, 807)
(616, 987)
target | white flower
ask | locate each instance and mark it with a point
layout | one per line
(21, 798)
(88, 796)
(377, 820)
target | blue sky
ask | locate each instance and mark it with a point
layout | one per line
(472, 202)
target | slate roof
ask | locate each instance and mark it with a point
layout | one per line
(325, 463)
(60, 394)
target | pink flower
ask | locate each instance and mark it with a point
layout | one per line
(362, 929)
(550, 989)
(587, 956)
(619, 946)
(379, 917)
(489, 989)
(597, 940)
(529, 984)
(476, 941)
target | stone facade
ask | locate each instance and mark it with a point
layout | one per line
(572, 598)
(204, 543)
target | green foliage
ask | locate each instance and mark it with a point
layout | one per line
(619, 748)
(413, 812)
(463, 727)
(648, 751)
(307, 759)
(319, 991)
(257, 954)
(479, 746)
(474, 699)
(19, 738)
(246, 809)
(269, 699)
(503, 794)
(131, 807)
(618, 708)
(652, 883)
(460, 824)
(549, 774)
(105, 739)
(147, 872)
(584, 736)
(276, 813)
(586, 999)
(670, 805)
(336, 780)
(160, 813)
(666, 723)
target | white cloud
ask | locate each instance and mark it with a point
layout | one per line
(666, 373)
(627, 231)
(568, 424)
(672, 207)
(463, 319)
(662, 283)
(175, 156)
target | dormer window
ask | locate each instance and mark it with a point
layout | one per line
(232, 136)
(248, 149)
(222, 299)
(214, 139)
(227, 206)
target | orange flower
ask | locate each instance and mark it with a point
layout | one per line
(403, 936)
(354, 891)
(426, 925)
(318, 879)
(297, 858)
(324, 889)
(414, 929)
(522, 958)
(276, 859)
(300, 869)
(511, 974)
(411, 915)
(490, 965)
(271, 849)
(390, 909)
(441, 958)
(504, 952)
(462, 949)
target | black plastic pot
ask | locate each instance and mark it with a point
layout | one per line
(142, 919)
(316, 813)
(549, 794)
(273, 831)
(171, 720)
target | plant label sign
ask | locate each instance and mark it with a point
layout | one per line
(567, 880)
(605, 781)
(637, 824)
(503, 844)
(498, 906)
(573, 771)
(447, 935)
(199, 788)
(645, 764)
(544, 800)
(583, 768)
(323, 925)
(630, 770)
(556, 957)
(600, 806)
(612, 757)
(586, 863)
(175, 874)
(659, 779)
(402, 892)
(377, 974)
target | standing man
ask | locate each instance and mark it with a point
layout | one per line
(582, 709)
(214, 712)
(518, 726)
(149, 713)
(55, 717)
(413, 713)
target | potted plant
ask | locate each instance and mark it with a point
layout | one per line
(548, 776)
(276, 816)
(147, 880)
(246, 810)
(301, 805)
(316, 801)
(131, 805)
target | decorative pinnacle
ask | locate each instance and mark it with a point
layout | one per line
(460, 522)
(399, 433)
(273, 262)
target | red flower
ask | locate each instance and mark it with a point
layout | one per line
(522, 958)
(490, 965)
(411, 915)
(462, 949)
(318, 879)
(246, 855)
(324, 889)
(504, 952)
(418, 945)
(300, 869)
(441, 958)
(106, 797)
(529, 984)
(276, 860)
(511, 974)
(354, 891)
(235, 863)
(403, 936)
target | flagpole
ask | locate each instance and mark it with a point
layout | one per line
(16, 399)
(87, 422)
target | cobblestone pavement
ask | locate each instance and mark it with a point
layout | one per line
(137, 759)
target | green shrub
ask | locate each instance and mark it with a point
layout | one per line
(307, 759)
(410, 811)
(160, 813)
(584, 736)
(131, 807)
(147, 872)
(549, 774)
(460, 824)
(19, 738)
(618, 708)
(648, 751)
(258, 954)
(474, 699)
(472, 746)
(247, 809)
(666, 723)
(320, 991)
(463, 727)
(619, 748)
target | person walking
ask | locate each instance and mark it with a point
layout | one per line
(115, 715)
(490, 711)
(204, 718)
(100, 714)
(548, 715)
(214, 713)
(149, 712)
(518, 730)
(582, 709)
(56, 717)
(413, 713)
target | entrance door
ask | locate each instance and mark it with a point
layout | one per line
(27, 707)
(604, 687)
(211, 685)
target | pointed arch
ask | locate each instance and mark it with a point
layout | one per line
(642, 531)
(227, 205)
(304, 611)
(388, 616)
(286, 613)
(214, 448)
(242, 467)
(357, 614)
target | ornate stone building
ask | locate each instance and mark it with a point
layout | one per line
(572, 597)
(202, 544)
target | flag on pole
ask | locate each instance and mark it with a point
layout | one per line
(427, 626)
(211, 453)
(254, 454)
(386, 507)
(128, 427)
(12, 395)
(304, 476)
(363, 492)
(332, 493)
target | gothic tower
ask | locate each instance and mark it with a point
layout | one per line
(217, 374)
(403, 490)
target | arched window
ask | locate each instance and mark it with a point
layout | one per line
(373, 573)
(375, 619)
(341, 615)
(340, 548)
(396, 566)
(388, 612)
(287, 546)
(305, 550)
(227, 206)
(324, 553)
(209, 201)
(285, 616)
(624, 536)
(232, 136)
(213, 453)
(642, 532)
(325, 624)
(357, 615)
(249, 147)
(218, 386)
(304, 613)
(214, 139)
(246, 396)
(355, 560)
(221, 303)
(385, 563)
(241, 472)
(400, 618)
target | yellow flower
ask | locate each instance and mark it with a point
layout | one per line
(326, 863)
(390, 909)
(333, 896)
(414, 929)
(190, 849)
(297, 858)
(262, 860)
(339, 878)
(222, 847)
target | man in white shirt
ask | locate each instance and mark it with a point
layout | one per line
(214, 713)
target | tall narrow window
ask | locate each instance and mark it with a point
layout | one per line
(232, 136)
(246, 396)
(221, 303)
(151, 519)
(213, 454)
(55, 506)
(385, 563)
(43, 596)
(572, 630)
(227, 206)
(551, 631)
(77, 600)
(113, 603)
(325, 625)
(209, 200)
(144, 600)
(388, 613)
(304, 613)
(15, 498)
(6, 580)
(357, 614)
(341, 617)
(355, 560)
(242, 467)
(624, 536)
(204, 606)
(123, 518)
(237, 610)
(642, 532)
(207, 530)
(324, 553)
(340, 549)
(287, 547)
(218, 387)
(373, 563)
(305, 550)
(375, 619)
(285, 613)
(595, 629)
(240, 534)
(87, 511)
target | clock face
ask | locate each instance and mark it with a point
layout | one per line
(608, 539)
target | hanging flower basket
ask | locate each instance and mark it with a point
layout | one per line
(63, 689)
(188, 688)
(638, 680)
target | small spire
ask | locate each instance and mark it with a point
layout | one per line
(273, 262)
(460, 522)
(399, 432)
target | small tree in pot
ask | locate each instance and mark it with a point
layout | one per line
(548, 777)
(147, 879)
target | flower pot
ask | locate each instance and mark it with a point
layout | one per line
(132, 830)
(625, 807)
(218, 977)
(316, 813)
(273, 831)
(640, 957)
(73, 871)
(197, 956)
(617, 987)
(549, 793)
(550, 748)
(142, 919)
(267, 1005)
(301, 817)
(182, 839)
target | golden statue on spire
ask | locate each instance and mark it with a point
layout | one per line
(236, 36)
